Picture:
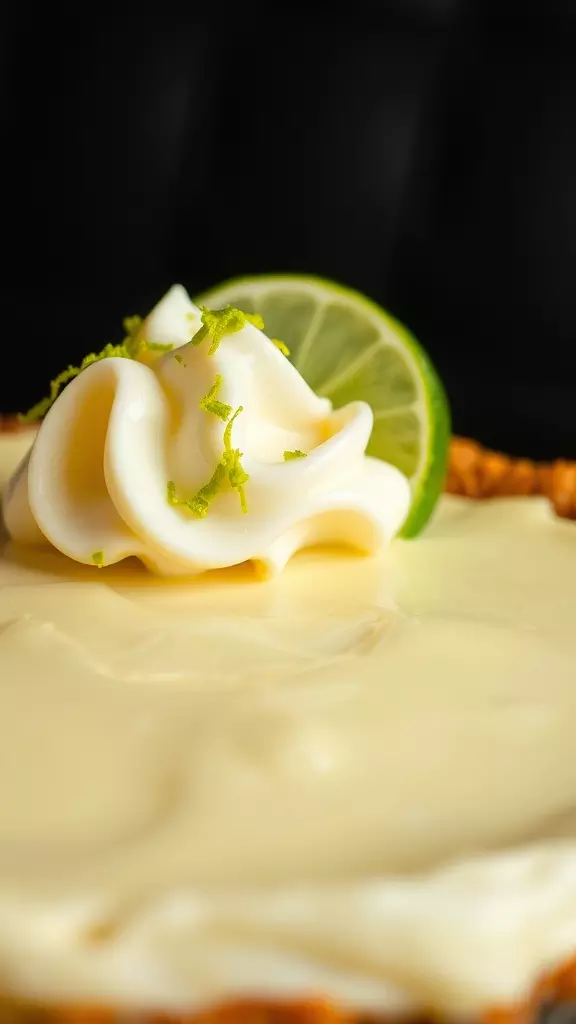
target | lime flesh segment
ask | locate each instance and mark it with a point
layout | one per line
(349, 349)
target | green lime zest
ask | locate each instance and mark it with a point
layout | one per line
(210, 403)
(218, 322)
(199, 504)
(229, 468)
(189, 503)
(255, 319)
(296, 454)
(237, 475)
(98, 559)
(131, 347)
(41, 408)
(208, 492)
(228, 431)
(281, 345)
(135, 341)
(157, 346)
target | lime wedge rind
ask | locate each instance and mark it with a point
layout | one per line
(428, 482)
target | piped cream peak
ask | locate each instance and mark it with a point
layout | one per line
(179, 453)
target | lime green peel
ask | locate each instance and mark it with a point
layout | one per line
(235, 471)
(348, 349)
(296, 454)
(199, 504)
(132, 347)
(210, 403)
(215, 324)
(41, 408)
(280, 345)
(218, 322)
(135, 342)
(228, 470)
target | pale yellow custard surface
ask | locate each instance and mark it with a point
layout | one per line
(358, 778)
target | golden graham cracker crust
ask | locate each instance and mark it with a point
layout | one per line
(477, 473)
(558, 989)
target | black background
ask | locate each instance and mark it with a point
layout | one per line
(423, 151)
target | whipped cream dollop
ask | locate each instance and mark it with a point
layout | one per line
(123, 454)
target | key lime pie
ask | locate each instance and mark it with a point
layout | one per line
(265, 757)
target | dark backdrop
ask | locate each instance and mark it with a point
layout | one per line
(423, 151)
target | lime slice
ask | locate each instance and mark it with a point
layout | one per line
(348, 348)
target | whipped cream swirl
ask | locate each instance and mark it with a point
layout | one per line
(96, 478)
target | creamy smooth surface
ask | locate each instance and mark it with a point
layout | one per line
(96, 479)
(357, 778)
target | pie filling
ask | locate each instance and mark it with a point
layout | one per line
(355, 780)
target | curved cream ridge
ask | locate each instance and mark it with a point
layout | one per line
(97, 475)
